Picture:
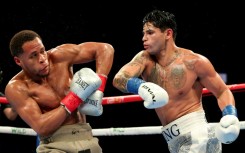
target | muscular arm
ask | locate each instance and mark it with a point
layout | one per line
(102, 53)
(18, 91)
(27, 108)
(228, 128)
(132, 69)
(210, 79)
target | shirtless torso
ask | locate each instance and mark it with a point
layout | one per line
(48, 92)
(185, 94)
(183, 74)
(37, 90)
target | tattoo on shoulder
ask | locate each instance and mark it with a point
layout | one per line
(190, 61)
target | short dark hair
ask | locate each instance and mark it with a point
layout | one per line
(162, 20)
(19, 39)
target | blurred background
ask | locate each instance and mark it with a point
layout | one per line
(214, 30)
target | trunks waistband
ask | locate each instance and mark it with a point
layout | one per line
(79, 131)
(183, 125)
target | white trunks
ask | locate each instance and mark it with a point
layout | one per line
(191, 134)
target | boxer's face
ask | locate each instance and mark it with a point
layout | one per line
(153, 39)
(34, 59)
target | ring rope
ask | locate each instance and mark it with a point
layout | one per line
(137, 98)
(144, 130)
(120, 130)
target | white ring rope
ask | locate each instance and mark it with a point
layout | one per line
(146, 130)
(118, 131)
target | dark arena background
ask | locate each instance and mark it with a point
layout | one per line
(214, 30)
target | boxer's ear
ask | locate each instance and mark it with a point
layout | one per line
(17, 60)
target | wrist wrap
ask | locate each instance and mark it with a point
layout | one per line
(133, 85)
(103, 83)
(229, 110)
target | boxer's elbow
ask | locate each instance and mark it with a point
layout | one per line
(109, 49)
(108, 52)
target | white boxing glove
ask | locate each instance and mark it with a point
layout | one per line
(93, 104)
(228, 128)
(83, 83)
(153, 95)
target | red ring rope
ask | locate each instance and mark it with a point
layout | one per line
(136, 98)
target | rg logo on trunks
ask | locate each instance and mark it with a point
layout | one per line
(171, 132)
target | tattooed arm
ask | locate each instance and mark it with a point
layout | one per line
(132, 69)
(127, 81)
